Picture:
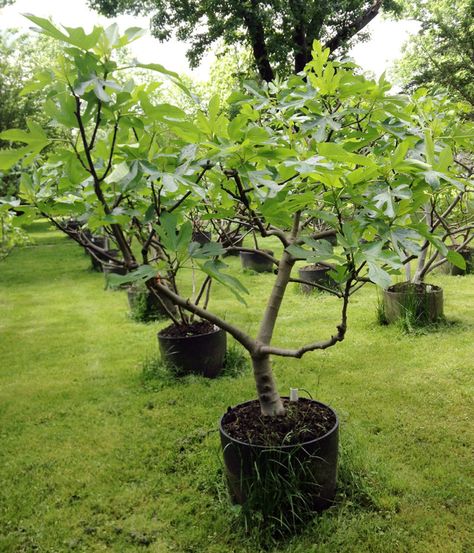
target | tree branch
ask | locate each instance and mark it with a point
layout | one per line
(349, 30)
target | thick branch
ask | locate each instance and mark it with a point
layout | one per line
(348, 31)
(247, 342)
(338, 337)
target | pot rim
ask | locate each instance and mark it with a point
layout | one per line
(282, 447)
(435, 289)
(258, 252)
(311, 268)
(215, 331)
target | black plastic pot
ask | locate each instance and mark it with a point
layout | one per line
(450, 269)
(203, 354)
(97, 258)
(256, 261)
(201, 236)
(232, 241)
(318, 274)
(423, 302)
(111, 268)
(319, 457)
(72, 225)
(148, 303)
(332, 239)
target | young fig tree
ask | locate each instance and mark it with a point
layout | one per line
(329, 145)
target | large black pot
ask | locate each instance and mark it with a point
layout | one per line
(257, 261)
(318, 457)
(201, 236)
(203, 354)
(232, 241)
(422, 302)
(317, 273)
(111, 268)
(98, 258)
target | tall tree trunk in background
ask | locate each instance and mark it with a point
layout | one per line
(257, 39)
(302, 51)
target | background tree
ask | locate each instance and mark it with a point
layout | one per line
(280, 33)
(443, 51)
(21, 55)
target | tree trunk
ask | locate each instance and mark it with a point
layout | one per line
(301, 50)
(419, 273)
(257, 39)
(270, 401)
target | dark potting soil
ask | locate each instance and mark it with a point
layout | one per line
(182, 331)
(304, 421)
(315, 267)
(419, 288)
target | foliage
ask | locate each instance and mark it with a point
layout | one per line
(280, 34)
(232, 66)
(21, 55)
(442, 52)
(11, 233)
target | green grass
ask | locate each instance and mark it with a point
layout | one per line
(98, 455)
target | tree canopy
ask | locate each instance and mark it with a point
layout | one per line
(443, 51)
(279, 32)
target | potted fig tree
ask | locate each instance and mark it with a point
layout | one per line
(445, 226)
(139, 199)
(328, 138)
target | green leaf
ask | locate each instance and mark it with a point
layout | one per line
(363, 174)
(378, 275)
(429, 148)
(213, 110)
(35, 137)
(206, 251)
(338, 153)
(143, 274)
(456, 259)
(159, 69)
(167, 231)
(184, 237)
(214, 270)
(8, 158)
(298, 252)
(76, 36)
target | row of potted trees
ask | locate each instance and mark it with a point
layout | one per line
(326, 156)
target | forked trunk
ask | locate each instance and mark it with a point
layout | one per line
(270, 401)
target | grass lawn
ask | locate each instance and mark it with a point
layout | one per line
(96, 457)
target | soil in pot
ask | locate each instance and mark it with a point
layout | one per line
(197, 348)
(263, 455)
(420, 303)
(257, 262)
(317, 273)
